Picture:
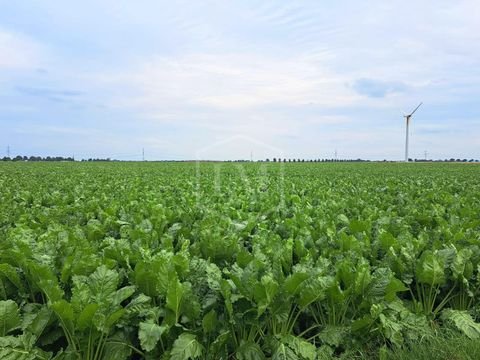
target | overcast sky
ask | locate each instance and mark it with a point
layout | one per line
(231, 79)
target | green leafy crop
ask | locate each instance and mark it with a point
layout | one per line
(245, 261)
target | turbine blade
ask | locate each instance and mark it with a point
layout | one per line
(416, 108)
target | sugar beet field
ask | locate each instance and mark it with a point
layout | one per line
(239, 261)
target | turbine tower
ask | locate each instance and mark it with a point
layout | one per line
(407, 118)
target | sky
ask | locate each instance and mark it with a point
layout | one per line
(239, 79)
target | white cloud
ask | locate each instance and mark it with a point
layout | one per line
(232, 82)
(18, 51)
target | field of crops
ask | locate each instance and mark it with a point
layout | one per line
(235, 261)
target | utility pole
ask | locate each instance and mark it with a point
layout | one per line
(8, 151)
(335, 154)
(143, 154)
(426, 154)
(251, 156)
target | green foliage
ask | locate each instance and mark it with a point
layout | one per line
(186, 347)
(246, 261)
(9, 319)
(444, 346)
(249, 350)
(463, 322)
(149, 334)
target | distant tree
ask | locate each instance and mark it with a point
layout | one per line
(274, 159)
(267, 160)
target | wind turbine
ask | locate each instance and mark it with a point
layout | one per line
(407, 118)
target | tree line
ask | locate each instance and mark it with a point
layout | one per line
(38, 158)
(49, 158)
(315, 160)
(61, 158)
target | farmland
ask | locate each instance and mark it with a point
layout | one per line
(236, 261)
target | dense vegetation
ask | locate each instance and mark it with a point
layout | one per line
(238, 261)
